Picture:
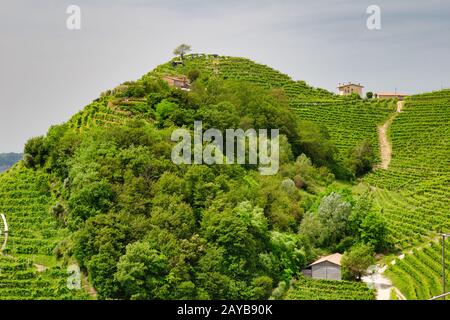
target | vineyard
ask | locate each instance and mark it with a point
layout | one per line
(414, 192)
(28, 269)
(107, 111)
(418, 275)
(348, 121)
(242, 69)
(311, 289)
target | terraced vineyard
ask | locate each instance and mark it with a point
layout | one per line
(418, 275)
(348, 121)
(309, 289)
(105, 111)
(234, 68)
(414, 192)
(28, 269)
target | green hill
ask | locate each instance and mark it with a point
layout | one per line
(101, 190)
(348, 121)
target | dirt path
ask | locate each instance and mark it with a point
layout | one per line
(383, 286)
(385, 145)
(376, 278)
(400, 106)
(87, 286)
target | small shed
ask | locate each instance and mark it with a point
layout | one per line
(391, 95)
(177, 63)
(328, 267)
(181, 82)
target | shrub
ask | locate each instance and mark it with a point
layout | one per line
(356, 261)
(193, 75)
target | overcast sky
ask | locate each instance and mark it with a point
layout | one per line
(47, 72)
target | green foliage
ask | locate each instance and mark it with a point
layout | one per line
(144, 228)
(193, 75)
(142, 271)
(367, 225)
(164, 109)
(333, 214)
(361, 158)
(374, 231)
(181, 50)
(292, 253)
(315, 143)
(34, 234)
(356, 261)
(92, 199)
(37, 152)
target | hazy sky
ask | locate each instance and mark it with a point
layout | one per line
(47, 72)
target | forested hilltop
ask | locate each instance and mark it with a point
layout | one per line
(101, 191)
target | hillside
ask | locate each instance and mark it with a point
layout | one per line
(347, 121)
(34, 235)
(414, 193)
(419, 274)
(101, 190)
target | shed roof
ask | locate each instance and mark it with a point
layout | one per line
(333, 258)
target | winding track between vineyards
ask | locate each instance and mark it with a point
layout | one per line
(377, 279)
(385, 145)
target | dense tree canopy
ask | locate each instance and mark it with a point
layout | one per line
(145, 228)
